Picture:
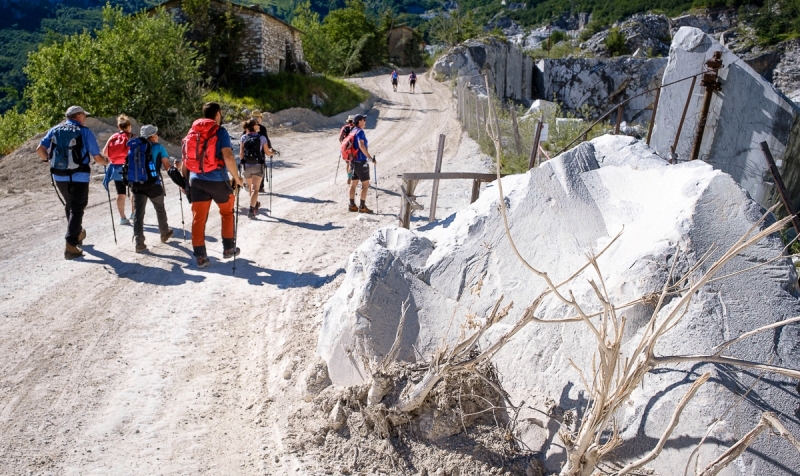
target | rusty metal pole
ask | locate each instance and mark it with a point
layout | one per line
(680, 124)
(436, 169)
(776, 175)
(535, 150)
(653, 117)
(619, 120)
(711, 83)
(517, 138)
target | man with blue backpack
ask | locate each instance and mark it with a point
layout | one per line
(69, 146)
(142, 172)
(394, 80)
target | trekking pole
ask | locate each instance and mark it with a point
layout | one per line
(270, 180)
(338, 162)
(183, 224)
(111, 210)
(235, 228)
(375, 163)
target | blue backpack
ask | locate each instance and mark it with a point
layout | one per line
(139, 170)
(66, 154)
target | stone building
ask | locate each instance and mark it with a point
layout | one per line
(271, 45)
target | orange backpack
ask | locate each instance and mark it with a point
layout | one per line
(348, 147)
(199, 147)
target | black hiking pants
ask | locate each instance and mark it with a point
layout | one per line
(76, 197)
(156, 195)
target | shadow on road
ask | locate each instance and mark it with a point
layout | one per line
(175, 276)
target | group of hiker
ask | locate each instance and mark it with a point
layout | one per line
(207, 171)
(412, 80)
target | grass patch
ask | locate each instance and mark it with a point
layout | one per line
(276, 92)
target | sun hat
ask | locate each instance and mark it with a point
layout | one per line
(350, 118)
(74, 111)
(148, 130)
(256, 113)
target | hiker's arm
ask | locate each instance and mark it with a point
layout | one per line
(100, 159)
(268, 150)
(363, 148)
(165, 163)
(230, 164)
(41, 151)
(105, 148)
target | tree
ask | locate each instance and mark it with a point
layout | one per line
(140, 65)
(615, 42)
(453, 27)
(217, 34)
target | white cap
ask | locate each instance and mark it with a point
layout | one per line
(74, 111)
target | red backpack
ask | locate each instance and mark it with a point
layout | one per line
(118, 148)
(349, 148)
(199, 147)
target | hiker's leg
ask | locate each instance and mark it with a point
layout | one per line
(156, 196)
(64, 190)
(139, 203)
(78, 199)
(353, 185)
(199, 218)
(364, 190)
(255, 181)
(226, 215)
(120, 187)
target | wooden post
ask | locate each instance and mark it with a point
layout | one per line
(478, 116)
(776, 175)
(437, 169)
(535, 149)
(653, 118)
(683, 118)
(619, 120)
(517, 138)
(407, 194)
(476, 190)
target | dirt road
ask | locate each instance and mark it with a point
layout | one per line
(121, 363)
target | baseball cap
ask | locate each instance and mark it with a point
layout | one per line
(359, 118)
(74, 111)
(148, 130)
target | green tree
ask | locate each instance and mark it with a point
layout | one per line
(217, 34)
(453, 27)
(615, 42)
(140, 65)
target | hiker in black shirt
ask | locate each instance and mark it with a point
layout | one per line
(262, 131)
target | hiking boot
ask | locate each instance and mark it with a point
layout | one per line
(364, 209)
(230, 253)
(166, 236)
(203, 261)
(72, 252)
(124, 221)
(81, 237)
(141, 248)
(352, 208)
(258, 205)
(251, 213)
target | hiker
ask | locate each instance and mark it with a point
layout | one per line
(208, 158)
(254, 148)
(116, 150)
(412, 81)
(359, 165)
(68, 147)
(343, 133)
(143, 173)
(394, 80)
(262, 131)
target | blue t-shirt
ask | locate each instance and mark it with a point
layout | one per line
(89, 146)
(220, 174)
(360, 136)
(158, 152)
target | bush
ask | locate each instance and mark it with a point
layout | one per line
(16, 128)
(284, 90)
(139, 65)
(615, 42)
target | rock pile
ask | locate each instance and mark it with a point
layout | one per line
(645, 33)
(452, 272)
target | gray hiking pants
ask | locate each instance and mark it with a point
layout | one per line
(156, 195)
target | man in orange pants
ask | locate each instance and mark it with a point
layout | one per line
(208, 155)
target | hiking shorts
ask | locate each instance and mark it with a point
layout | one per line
(120, 186)
(252, 170)
(413, 81)
(206, 190)
(394, 81)
(360, 170)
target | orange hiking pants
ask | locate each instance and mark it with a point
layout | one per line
(199, 219)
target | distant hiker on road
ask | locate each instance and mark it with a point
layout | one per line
(143, 173)
(412, 81)
(355, 148)
(394, 80)
(68, 147)
(254, 148)
(208, 156)
(116, 149)
(343, 133)
(262, 131)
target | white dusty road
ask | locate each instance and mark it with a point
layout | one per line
(121, 363)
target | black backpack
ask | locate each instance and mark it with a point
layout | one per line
(252, 152)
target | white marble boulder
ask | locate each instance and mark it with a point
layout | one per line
(453, 271)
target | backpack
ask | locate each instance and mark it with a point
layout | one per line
(66, 155)
(412, 77)
(139, 170)
(394, 75)
(252, 152)
(199, 147)
(118, 148)
(345, 132)
(348, 148)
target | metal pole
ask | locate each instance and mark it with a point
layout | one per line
(683, 118)
(776, 175)
(110, 210)
(535, 150)
(183, 224)
(235, 228)
(338, 162)
(619, 120)
(375, 164)
(653, 118)
(437, 169)
(711, 83)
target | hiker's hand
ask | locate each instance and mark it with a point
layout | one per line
(374, 159)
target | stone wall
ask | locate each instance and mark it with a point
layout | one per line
(747, 111)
